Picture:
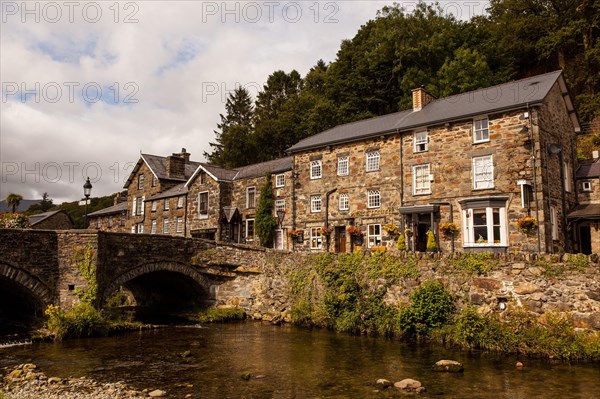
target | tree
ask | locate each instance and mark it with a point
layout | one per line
(467, 71)
(13, 200)
(234, 143)
(265, 221)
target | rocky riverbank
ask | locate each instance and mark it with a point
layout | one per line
(26, 381)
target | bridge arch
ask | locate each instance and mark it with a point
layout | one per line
(27, 281)
(182, 278)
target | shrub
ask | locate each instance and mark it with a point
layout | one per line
(430, 307)
(474, 263)
(431, 242)
(82, 321)
(219, 315)
(401, 243)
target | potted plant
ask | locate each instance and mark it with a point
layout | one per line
(297, 235)
(431, 242)
(527, 225)
(448, 229)
(401, 243)
(325, 231)
(392, 230)
(356, 234)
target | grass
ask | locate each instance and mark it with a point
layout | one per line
(221, 315)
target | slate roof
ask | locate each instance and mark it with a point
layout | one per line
(588, 170)
(504, 97)
(585, 211)
(40, 217)
(175, 191)
(111, 210)
(245, 172)
(158, 166)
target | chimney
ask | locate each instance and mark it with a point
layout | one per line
(421, 98)
(185, 155)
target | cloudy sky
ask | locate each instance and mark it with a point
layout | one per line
(87, 86)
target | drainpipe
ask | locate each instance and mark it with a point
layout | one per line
(451, 218)
(535, 186)
(327, 194)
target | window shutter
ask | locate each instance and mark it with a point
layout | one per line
(143, 204)
(134, 205)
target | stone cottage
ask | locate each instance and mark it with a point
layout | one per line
(586, 216)
(481, 160)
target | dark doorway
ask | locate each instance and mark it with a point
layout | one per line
(421, 237)
(340, 239)
(585, 238)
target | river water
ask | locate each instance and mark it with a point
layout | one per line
(288, 362)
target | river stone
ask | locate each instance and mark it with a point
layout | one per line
(409, 385)
(157, 393)
(54, 380)
(15, 374)
(383, 383)
(450, 366)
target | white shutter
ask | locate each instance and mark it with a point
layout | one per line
(134, 204)
(143, 204)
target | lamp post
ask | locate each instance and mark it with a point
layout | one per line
(87, 190)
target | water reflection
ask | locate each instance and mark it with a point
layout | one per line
(286, 362)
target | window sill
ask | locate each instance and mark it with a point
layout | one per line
(202, 217)
(371, 171)
(484, 188)
(421, 194)
(481, 142)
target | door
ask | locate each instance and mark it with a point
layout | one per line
(585, 239)
(340, 239)
(279, 239)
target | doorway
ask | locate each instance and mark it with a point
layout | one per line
(585, 239)
(340, 239)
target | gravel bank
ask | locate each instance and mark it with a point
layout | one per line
(27, 382)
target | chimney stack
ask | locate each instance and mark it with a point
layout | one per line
(421, 98)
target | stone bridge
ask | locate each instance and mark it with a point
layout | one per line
(48, 267)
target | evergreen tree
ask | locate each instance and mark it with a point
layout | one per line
(234, 143)
(265, 221)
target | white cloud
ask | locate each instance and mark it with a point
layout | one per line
(178, 61)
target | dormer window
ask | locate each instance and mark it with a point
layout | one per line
(481, 130)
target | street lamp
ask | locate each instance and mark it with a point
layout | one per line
(280, 216)
(87, 190)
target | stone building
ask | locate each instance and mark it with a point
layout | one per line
(53, 220)
(586, 216)
(113, 218)
(482, 160)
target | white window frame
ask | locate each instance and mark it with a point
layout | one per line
(469, 231)
(138, 205)
(373, 199)
(251, 200)
(586, 186)
(422, 179)
(165, 229)
(554, 222)
(316, 239)
(280, 180)
(316, 204)
(166, 204)
(154, 205)
(372, 160)
(179, 225)
(481, 127)
(153, 227)
(140, 182)
(140, 228)
(202, 215)
(279, 205)
(421, 141)
(374, 235)
(250, 221)
(180, 201)
(344, 202)
(483, 172)
(316, 169)
(343, 165)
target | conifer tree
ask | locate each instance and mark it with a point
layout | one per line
(265, 221)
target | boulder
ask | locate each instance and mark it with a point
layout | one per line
(449, 366)
(383, 383)
(409, 385)
(157, 393)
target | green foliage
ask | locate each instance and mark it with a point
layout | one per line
(575, 262)
(401, 243)
(45, 205)
(84, 259)
(81, 321)
(76, 211)
(431, 242)
(13, 200)
(265, 221)
(578, 262)
(13, 221)
(477, 263)
(220, 315)
(430, 307)
(516, 331)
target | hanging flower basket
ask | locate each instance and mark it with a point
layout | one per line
(297, 235)
(449, 229)
(356, 234)
(527, 225)
(325, 232)
(392, 230)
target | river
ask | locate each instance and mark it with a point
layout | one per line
(288, 362)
